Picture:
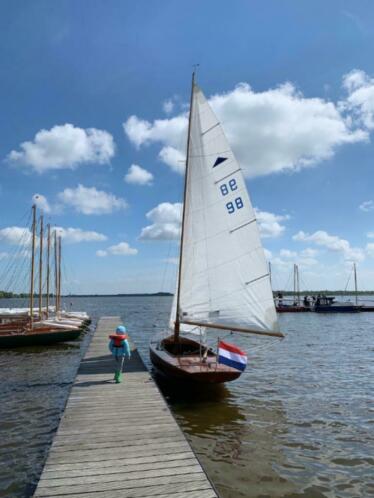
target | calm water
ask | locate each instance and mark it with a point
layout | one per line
(298, 423)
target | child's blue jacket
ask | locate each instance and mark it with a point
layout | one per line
(124, 350)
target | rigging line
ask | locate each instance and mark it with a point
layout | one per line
(228, 175)
(242, 226)
(349, 278)
(288, 281)
(193, 156)
(210, 129)
(12, 268)
(20, 244)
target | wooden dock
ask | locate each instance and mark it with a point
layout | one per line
(119, 440)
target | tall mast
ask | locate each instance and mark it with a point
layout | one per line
(59, 273)
(298, 284)
(177, 318)
(48, 258)
(56, 271)
(32, 263)
(41, 267)
(355, 275)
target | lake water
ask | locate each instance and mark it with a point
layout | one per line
(298, 423)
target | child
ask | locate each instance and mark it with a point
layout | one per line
(119, 347)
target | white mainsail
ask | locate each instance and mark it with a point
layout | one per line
(224, 275)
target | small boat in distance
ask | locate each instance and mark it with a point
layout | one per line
(223, 281)
(328, 304)
(294, 304)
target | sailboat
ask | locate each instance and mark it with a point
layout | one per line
(35, 326)
(223, 280)
(294, 304)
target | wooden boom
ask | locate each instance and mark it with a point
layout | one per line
(234, 328)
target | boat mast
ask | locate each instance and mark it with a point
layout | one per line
(177, 318)
(48, 258)
(41, 267)
(32, 263)
(298, 284)
(59, 273)
(355, 275)
(56, 272)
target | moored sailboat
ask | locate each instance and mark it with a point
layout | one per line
(37, 326)
(223, 280)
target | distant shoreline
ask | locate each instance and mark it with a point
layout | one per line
(10, 295)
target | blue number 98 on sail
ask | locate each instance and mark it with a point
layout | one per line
(232, 206)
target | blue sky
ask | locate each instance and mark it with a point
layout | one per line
(108, 82)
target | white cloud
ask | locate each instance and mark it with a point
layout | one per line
(370, 249)
(270, 131)
(64, 146)
(367, 206)
(286, 253)
(166, 218)
(360, 99)
(173, 158)
(15, 236)
(268, 254)
(42, 203)
(168, 106)
(332, 243)
(370, 235)
(76, 235)
(89, 200)
(168, 131)
(138, 176)
(121, 249)
(288, 258)
(309, 252)
(269, 223)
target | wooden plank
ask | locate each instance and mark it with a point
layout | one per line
(119, 440)
(140, 461)
(174, 481)
(185, 490)
(123, 476)
(117, 467)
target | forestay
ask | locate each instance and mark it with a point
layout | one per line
(224, 274)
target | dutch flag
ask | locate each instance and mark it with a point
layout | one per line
(232, 356)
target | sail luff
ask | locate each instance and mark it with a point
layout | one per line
(177, 320)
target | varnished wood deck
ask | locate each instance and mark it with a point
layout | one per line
(119, 440)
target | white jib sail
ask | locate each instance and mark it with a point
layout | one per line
(224, 274)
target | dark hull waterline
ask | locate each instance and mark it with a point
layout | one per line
(190, 367)
(37, 338)
(338, 309)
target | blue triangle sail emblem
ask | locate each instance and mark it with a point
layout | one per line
(219, 160)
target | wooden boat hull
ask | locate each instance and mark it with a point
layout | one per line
(292, 309)
(36, 338)
(189, 366)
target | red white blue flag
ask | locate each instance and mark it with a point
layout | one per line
(231, 355)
